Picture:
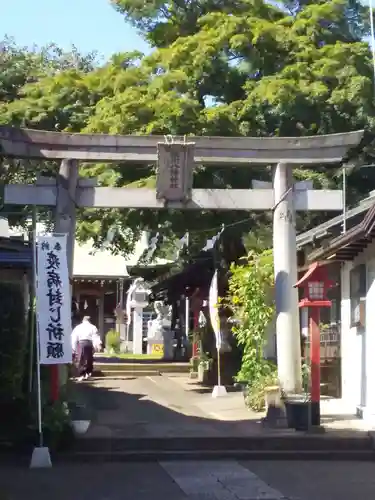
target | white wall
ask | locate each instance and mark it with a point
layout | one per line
(358, 345)
(350, 346)
(370, 338)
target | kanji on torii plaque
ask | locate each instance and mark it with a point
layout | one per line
(175, 171)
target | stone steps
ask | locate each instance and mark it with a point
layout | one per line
(170, 455)
(138, 369)
(286, 447)
(289, 442)
(124, 374)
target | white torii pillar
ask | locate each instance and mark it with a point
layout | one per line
(285, 266)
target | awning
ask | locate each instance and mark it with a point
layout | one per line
(197, 274)
(20, 259)
(348, 245)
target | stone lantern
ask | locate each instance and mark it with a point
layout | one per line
(137, 300)
(315, 285)
(139, 296)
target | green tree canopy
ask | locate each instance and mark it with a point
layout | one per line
(239, 67)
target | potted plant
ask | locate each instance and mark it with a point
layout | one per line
(301, 413)
(297, 411)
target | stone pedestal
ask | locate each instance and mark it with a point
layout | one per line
(155, 346)
(168, 344)
(159, 335)
(163, 345)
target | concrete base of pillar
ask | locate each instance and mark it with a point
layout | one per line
(125, 347)
(41, 458)
(276, 413)
(219, 391)
(275, 418)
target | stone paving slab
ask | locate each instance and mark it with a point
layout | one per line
(226, 480)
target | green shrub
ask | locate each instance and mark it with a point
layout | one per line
(251, 298)
(255, 392)
(13, 342)
(14, 404)
(113, 341)
(252, 302)
(194, 362)
(56, 424)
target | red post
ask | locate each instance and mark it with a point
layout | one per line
(54, 383)
(315, 353)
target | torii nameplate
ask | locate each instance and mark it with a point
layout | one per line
(174, 180)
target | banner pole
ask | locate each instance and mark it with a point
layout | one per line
(39, 389)
(219, 390)
(32, 309)
(40, 457)
(218, 368)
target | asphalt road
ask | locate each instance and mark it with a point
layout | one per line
(195, 480)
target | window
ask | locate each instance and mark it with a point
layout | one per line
(358, 296)
(316, 290)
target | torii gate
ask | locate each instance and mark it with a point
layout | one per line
(174, 190)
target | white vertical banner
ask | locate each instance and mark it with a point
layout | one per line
(213, 303)
(53, 300)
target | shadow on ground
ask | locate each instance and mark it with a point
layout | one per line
(145, 413)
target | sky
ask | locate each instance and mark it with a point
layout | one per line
(87, 24)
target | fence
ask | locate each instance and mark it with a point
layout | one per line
(330, 359)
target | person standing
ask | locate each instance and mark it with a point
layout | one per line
(85, 340)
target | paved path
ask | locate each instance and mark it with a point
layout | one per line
(162, 407)
(175, 406)
(200, 480)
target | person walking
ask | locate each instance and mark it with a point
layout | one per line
(85, 340)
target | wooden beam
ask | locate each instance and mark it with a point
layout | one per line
(26, 143)
(202, 199)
